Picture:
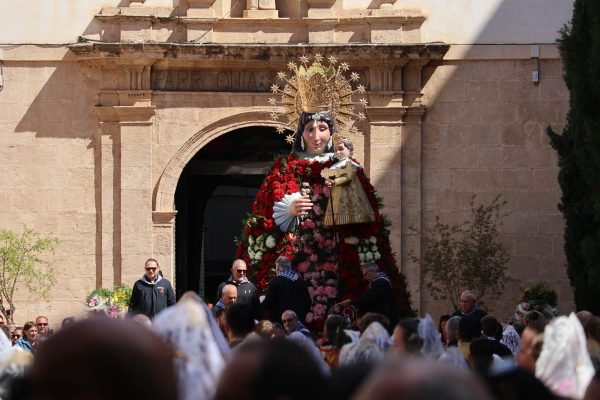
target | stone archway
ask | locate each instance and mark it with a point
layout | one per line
(163, 205)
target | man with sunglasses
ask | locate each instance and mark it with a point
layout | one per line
(41, 322)
(246, 291)
(151, 293)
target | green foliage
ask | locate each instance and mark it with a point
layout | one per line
(578, 151)
(22, 265)
(464, 256)
(539, 294)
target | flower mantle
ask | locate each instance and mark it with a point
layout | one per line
(327, 258)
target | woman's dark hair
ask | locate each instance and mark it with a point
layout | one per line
(28, 325)
(443, 318)
(333, 324)
(410, 326)
(304, 119)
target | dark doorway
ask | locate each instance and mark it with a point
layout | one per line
(214, 193)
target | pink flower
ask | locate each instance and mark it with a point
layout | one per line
(319, 310)
(309, 223)
(317, 189)
(309, 317)
(303, 266)
(318, 210)
(328, 266)
(330, 292)
(313, 258)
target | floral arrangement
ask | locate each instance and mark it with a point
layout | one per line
(538, 297)
(327, 258)
(111, 302)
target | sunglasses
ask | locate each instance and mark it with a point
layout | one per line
(17, 336)
(42, 324)
(285, 321)
(242, 271)
(151, 269)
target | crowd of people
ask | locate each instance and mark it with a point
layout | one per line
(194, 352)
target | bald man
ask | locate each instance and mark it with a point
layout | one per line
(229, 295)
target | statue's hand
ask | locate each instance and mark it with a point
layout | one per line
(301, 206)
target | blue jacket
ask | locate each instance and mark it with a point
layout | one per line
(24, 344)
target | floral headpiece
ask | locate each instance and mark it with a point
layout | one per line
(318, 89)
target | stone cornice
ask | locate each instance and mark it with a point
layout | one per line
(386, 115)
(126, 114)
(163, 217)
(357, 53)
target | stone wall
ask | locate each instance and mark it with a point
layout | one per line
(484, 135)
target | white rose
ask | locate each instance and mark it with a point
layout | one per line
(258, 256)
(270, 242)
(376, 255)
(369, 256)
(373, 239)
(251, 254)
(250, 240)
(361, 257)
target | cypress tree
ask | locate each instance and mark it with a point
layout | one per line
(578, 151)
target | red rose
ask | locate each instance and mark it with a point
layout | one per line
(278, 194)
(292, 187)
(268, 224)
(275, 185)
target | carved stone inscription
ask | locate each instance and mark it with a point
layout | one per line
(213, 81)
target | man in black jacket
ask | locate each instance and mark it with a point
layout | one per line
(151, 293)
(470, 309)
(380, 296)
(287, 291)
(246, 291)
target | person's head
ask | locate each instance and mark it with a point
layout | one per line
(142, 319)
(282, 263)
(314, 133)
(584, 316)
(489, 326)
(269, 370)
(239, 270)
(16, 334)
(289, 319)
(418, 380)
(369, 270)
(366, 320)
(265, 329)
(452, 328)
(344, 149)
(481, 354)
(94, 357)
(333, 324)
(152, 269)
(467, 301)
(229, 295)
(532, 340)
(442, 327)
(405, 338)
(239, 320)
(67, 321)
(42, 325)
(30, 331)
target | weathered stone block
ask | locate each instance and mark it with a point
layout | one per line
(470, 179)
(511, 179)
(459, 157)
(455, 113)
(482, 91)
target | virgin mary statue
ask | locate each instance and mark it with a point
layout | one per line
(287, 217)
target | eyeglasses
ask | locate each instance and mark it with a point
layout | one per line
(151, 269)
(16, 336)
(285, 321)
(242, 271)
(42, 324)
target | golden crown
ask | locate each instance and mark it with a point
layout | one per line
(318, 88)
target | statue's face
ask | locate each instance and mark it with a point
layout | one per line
(341, 151)
(316, 135)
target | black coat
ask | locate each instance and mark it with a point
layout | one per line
(379, 299)
(285, 294)
(247, 293)
(150, 299)
(474, 325)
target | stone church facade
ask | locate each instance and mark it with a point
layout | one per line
(95, 135)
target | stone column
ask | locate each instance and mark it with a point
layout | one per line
(394, 162)
(125, 191)
(261, 9)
